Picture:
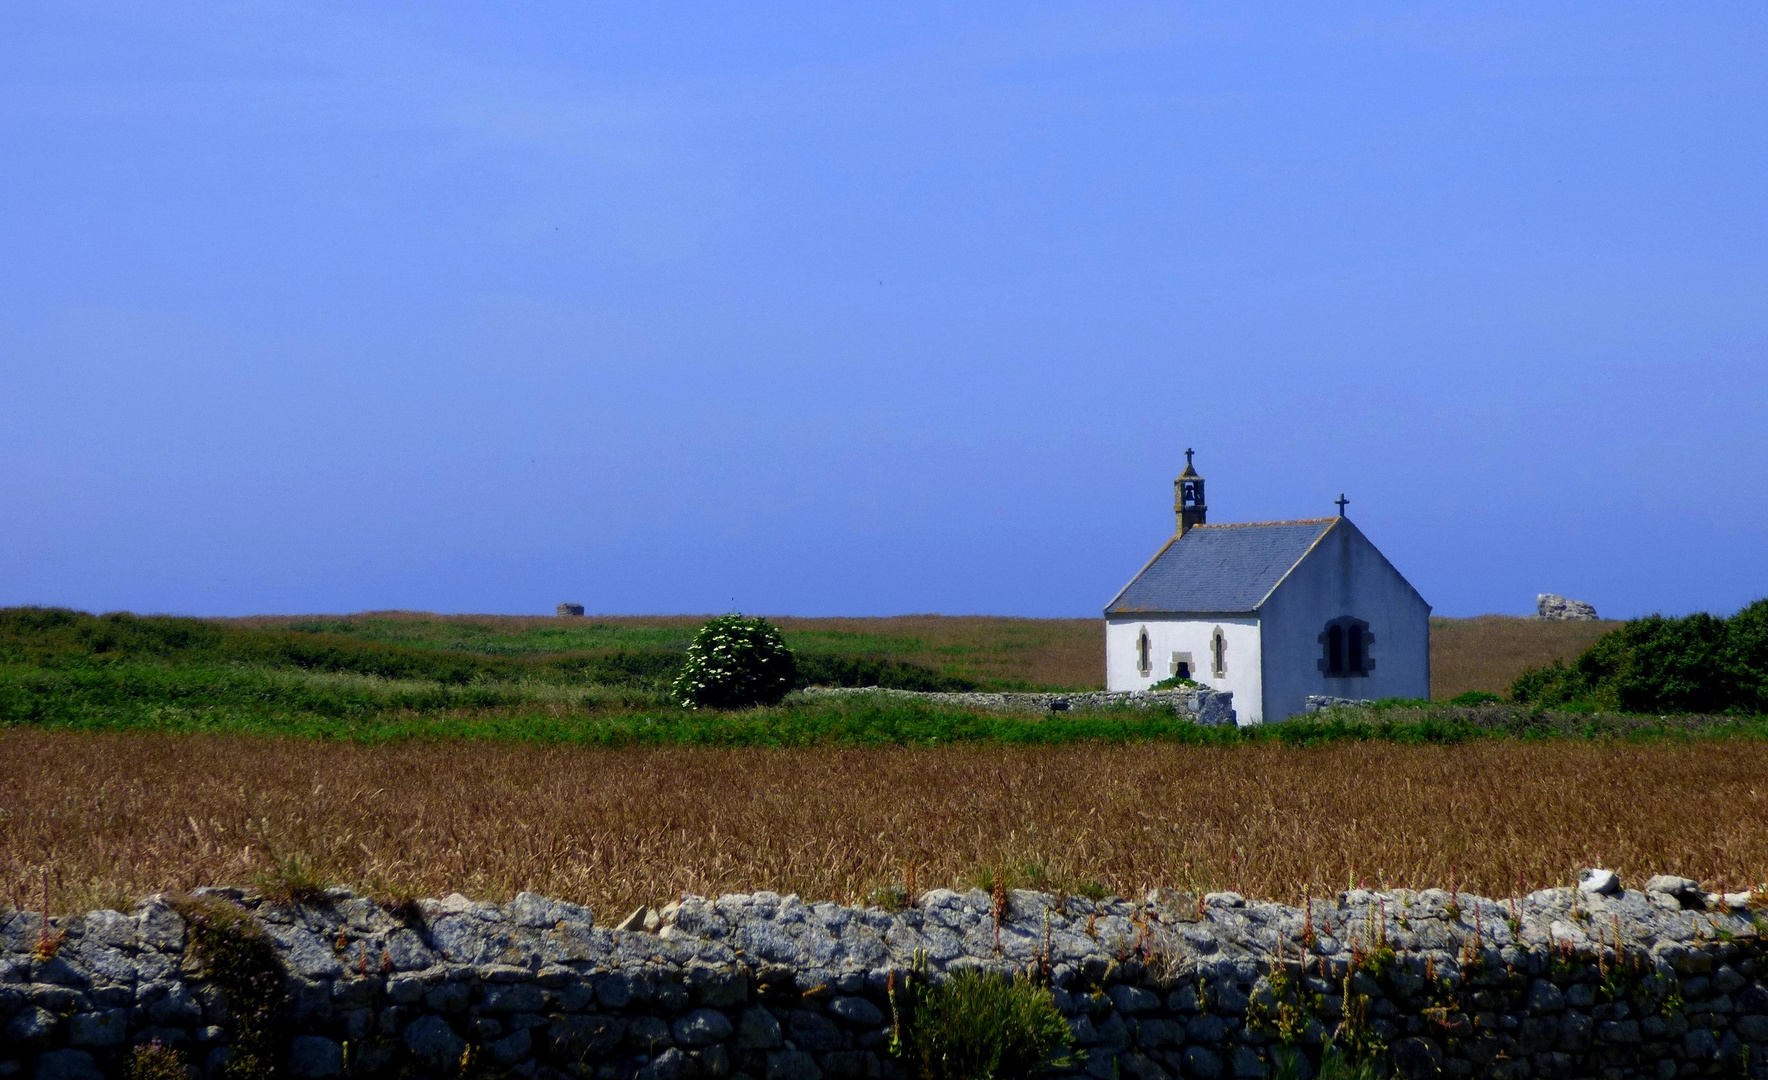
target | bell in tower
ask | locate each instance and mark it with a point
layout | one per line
(1188, 504)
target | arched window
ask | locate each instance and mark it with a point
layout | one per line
(1344, 648)
(1144, 653)
(1218, 653)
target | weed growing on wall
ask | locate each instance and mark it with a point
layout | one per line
(1176, 682)
(735, 663)
(238, 958)
(155, 1061)
(980, 1026)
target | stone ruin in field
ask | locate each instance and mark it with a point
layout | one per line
(1559, 609)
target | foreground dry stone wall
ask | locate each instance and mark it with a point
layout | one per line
(1587, 982)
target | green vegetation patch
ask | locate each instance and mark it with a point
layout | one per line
(1695, 664)
(74, 671)
(239, 959)
(977, 1025)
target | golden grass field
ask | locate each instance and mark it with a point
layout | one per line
(116, 816)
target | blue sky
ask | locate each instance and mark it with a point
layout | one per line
(856, 309)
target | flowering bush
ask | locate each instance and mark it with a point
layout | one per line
(735, 662)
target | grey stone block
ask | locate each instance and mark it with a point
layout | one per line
(107, 1027)
(1140, 1067)
(702, 1027)
(450, 997)
(1132, 1000)
(813, 1032)
(1082, 1027)
(614, 991)
(713, 1061)
(311, 1057)
(433, 1042)
(671, 1064)
(648, 1035)
(792, 1065)
(757, 1030)
(32, 1027)
(66, 1065)
(574, 1038)
(513, 997)
(1417, 1058)
(1206, 1027)
(856, 1010)
(511, 1048)
(1544, 997)
(844, 1065)
(1700, 1045)
(1753, 1028)
(1113, 1032)
(1202, 1064)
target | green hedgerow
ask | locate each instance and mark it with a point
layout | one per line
(1693, 664)
(980, 1026)
(734, 663)
(1473, 698)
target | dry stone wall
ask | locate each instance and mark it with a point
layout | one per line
(1205, 706)
(1589, 982)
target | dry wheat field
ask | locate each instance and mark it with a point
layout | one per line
(112, 817)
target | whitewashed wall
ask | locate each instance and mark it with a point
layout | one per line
(1243, 678)
(1343, 575)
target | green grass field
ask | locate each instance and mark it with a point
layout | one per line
(543, 681)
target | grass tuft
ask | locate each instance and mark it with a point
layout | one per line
(977, 1025)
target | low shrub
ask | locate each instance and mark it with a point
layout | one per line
(1694, 664)
(831, 669)
(735, 663)
(1474, 698)
(1175, 682)
(980, 1026)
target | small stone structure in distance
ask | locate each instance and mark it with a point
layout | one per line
(570, 609)
(1558, 609)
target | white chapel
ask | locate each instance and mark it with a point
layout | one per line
(1273, 611)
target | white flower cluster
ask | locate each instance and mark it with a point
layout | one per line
(735, 662)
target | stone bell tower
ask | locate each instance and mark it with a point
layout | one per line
(1188, 504)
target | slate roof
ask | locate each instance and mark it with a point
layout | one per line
(1219, 568)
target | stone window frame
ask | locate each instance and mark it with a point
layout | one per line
(1218, 652)
(1144, 653)
(1347, 627)
(1172, 666)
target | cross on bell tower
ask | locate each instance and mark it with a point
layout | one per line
(1341, 502)
(1188, 505)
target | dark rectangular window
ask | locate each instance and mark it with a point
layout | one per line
(1354, 661)
(1335, 650)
